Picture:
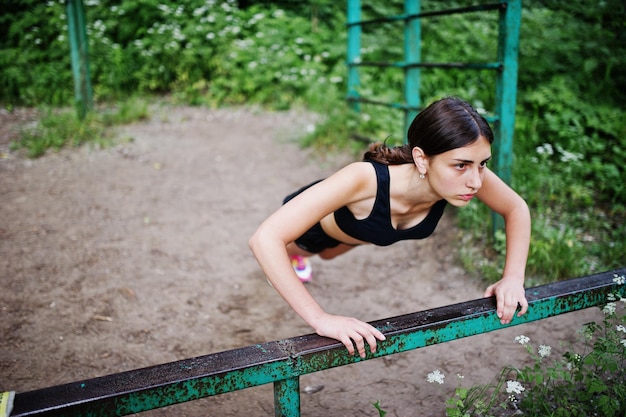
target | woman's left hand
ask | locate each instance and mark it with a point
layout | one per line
(509, 294)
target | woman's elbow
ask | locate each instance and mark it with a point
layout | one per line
(253, 241)
(262, 238)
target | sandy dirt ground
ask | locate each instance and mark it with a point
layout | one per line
(136, 255)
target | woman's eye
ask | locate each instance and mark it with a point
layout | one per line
(460, 166)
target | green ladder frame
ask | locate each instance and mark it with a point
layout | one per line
(505, 66)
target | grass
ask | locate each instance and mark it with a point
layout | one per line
(58, 128)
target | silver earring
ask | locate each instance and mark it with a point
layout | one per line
(422, 176)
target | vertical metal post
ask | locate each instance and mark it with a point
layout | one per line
(354, 51)
(287, 397)
(506, 92)
(83, 94)
(412, 55)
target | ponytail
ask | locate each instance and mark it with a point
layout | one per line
(396, 155)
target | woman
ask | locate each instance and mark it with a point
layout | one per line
(394, 194)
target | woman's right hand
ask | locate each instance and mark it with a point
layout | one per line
(349, 331)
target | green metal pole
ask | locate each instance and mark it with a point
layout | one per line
(412, 55)
(287, 397)
(506, 92)
(354, 51)
(83, 94)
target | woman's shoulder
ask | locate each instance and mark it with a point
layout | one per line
(361, 171)
(356, 177)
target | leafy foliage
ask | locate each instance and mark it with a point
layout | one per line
(588, 380)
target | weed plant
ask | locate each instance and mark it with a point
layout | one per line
(589, 379)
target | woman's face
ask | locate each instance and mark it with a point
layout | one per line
(456, 175)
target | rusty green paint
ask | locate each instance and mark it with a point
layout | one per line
(475, 320)
(282, 362)
(287, 397)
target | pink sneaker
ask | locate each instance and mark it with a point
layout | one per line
(302, 266)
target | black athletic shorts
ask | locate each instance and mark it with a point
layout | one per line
(315, 239)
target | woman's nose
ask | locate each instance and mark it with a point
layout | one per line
(475, 181)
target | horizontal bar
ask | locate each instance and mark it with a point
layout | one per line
(176, 382)
(402, 106)
(393, 105)
(400, 64)
(429, 327)
(460, 10)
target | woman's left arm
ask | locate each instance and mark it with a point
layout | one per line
(509, 290)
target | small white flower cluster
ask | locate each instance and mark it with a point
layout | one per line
(514, 387)
(435, 376)
(544, 350)
(564, 155)
(622, 328)
(573, 362)
(619, 279)
(615, 297)
(609, 309)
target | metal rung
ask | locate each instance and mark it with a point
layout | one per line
(480, 66)
(404, 17)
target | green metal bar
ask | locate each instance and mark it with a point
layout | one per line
(459, 65)
(354, 51)
(400, 106)
(404, 106)
(284, 361)
(506, 93)
(412, 55)
(420, 329)
(287, 397)
(83, 94)
(418, 15)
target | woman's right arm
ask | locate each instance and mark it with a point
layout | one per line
(269, 245)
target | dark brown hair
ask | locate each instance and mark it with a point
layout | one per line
(446, 124)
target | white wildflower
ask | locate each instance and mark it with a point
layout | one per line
(522, 340)
(514, 387)
(609, 309)
(546, 148)
(567, 156)
(623, 342)
(544, 350)
(435, 376)
(620, 280)
(621, 328)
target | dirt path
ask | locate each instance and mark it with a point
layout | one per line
(116, 259)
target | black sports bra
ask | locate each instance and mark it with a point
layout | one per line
(377, 228)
